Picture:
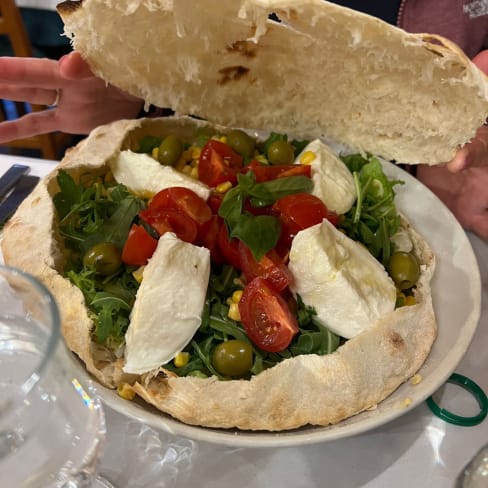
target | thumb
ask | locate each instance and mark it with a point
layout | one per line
(73, 67)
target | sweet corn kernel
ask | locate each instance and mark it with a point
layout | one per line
(223, 187)
(186, 169)
(416, 379)
(407, 402)
(181, 359)
(194, 172)
(236, 296)
(137, 274)
(223, 139)
(234, 312)
(125, 391)
(155, 152)
(195, 152)
(410, 300)
(187, 154)
(307, 157)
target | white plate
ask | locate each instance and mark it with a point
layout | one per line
(456, 292)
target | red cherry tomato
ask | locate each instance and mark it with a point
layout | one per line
(184, 200)
(266, 317)
(270, 267)
(169, 220)
(229, 248)
(139, 246)
(218, 163)
(267, 173)
(208, 236)
(214, 201)
(300, 211)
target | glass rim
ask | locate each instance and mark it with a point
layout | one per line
(55, 324)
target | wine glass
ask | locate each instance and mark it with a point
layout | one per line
(52, 426)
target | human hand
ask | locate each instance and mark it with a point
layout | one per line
(464, 193)
(84, 102)
(475, 153)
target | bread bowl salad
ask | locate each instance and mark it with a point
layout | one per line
(231, 280)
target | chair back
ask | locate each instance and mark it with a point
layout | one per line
(50, 146)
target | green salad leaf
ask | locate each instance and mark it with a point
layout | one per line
(89, 215)
(374, 218)
(259, 233)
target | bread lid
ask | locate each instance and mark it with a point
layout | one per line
(323, 71)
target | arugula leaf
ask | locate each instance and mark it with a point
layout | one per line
(148, 143)
(374, 218)
(88, 216)
(69, 194)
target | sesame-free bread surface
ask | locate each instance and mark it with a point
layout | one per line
(324, 70)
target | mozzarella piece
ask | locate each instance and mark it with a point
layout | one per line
(333, 183)
(169, 304)
(145, 176)
(348, 288)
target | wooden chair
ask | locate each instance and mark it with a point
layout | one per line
(50, 146)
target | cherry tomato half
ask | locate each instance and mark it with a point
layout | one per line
(266, 317)
(208, 236)
(270, 267)
(139, 246)
(300, 211)
(229, 248)
(218, 163)
(169, 220)
(184, 200)
(271, 172)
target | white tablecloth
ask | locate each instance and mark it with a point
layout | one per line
(416, 450)
(39, 4)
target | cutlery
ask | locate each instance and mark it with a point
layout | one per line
(9, 179)
(24, 186)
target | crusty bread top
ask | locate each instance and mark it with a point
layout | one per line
(324, 70)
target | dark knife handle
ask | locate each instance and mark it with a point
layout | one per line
(23, 188)
(9, 179)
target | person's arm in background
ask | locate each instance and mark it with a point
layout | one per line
(462, 184)
(85, 101)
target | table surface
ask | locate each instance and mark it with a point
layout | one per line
(415, 450)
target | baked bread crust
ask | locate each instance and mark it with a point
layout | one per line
(324, 71)
(309, 389)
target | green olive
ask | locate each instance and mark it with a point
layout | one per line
(170, 150)
(232, 358)
(404, 269)
(104, 258)
(241, 142)
(281, 152)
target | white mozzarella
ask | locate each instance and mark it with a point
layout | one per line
(333, 183)
(145, 176)
(348, 288)
(169, 303)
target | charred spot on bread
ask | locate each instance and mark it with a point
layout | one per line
(232, 73)
(396, 341)
(68, 6)
(246, 48)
